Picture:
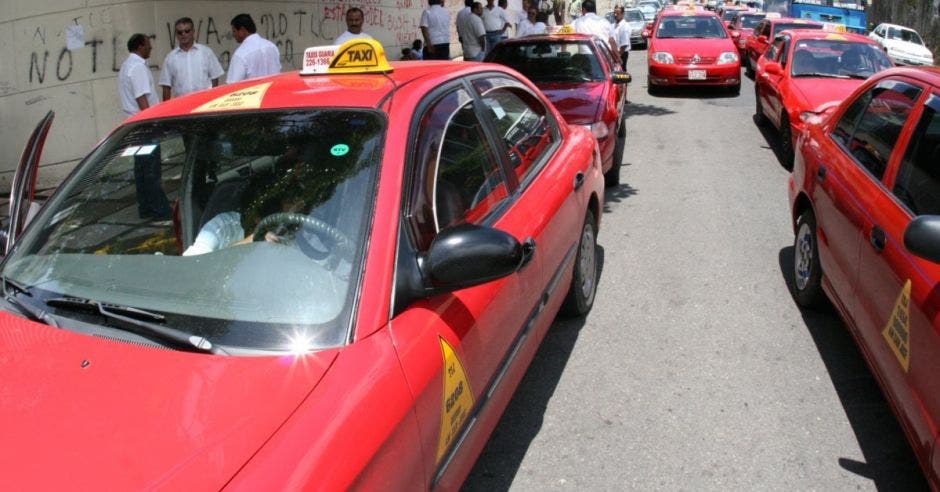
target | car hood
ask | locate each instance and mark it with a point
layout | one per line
(579, 103)
(701, 47)
(813, 92)
(82, 412)
(906, 47)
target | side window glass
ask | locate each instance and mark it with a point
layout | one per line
(521, 121)
(880, 125)
(784, 52)
(765, 30)
(843, 131)
(459, 179)
(918, 180)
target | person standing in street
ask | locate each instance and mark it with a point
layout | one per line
(471, 32)
(530, 25)
(354, 19)
(255, 56)
(138, 92)
(435, 28)
(495, 21)
(591, 23)
(622, 36)
(191, 66)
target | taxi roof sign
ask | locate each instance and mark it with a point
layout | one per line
(353, 56)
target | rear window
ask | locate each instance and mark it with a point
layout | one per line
(551, 61)
(693, 26)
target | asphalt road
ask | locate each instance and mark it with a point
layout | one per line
(696, 370)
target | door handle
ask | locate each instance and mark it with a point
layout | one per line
(877, 238)
(578, 180)
(528, 252)
(821, 174)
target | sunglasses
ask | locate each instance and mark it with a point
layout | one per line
(183, 31)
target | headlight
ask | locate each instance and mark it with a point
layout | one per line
(727, 57)
(599, 129)
(663, 57)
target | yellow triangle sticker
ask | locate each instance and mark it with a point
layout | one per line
(244, 98)
(897, 332)
(457, 401)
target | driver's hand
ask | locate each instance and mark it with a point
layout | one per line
(274, 238)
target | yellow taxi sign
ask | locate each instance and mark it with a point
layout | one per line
(566, 29)
(833, 27)
(353, 56)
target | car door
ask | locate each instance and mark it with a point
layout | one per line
(896, 296)
(23, 188)
(759, 42)
(770, 83)
(455, 347)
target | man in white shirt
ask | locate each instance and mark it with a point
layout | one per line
(190, 67)
(471, 32)
(138, 92)
(495, 21)
(591, 23)
(354, 18)
(530, 25)
(256, 56)
(622, 36)
(574, 10)
(435, 28)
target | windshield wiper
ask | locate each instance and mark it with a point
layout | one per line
(820, 74)
(32, 312)
(139, 321)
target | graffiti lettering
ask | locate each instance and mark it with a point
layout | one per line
(34, 66)
(58, 65)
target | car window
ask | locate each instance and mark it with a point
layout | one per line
(692, 26)
(775, 49)
(521, 120)
(869, 131)
(837, 59)
(458, 177)
(764, 30)
(918, 181)
(551, 61)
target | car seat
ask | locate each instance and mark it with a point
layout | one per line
(803, 63)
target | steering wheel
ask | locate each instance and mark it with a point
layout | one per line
(575, 73)
(339, 245)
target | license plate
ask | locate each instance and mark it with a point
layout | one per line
(696, 74)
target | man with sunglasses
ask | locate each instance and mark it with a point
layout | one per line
(189, 67)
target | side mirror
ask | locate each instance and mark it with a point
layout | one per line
(466, 255)
(773, 68)
(922, 237)
(618, 77)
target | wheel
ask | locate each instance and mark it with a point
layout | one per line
(786, 142)
(759, 115)
(749, 68)
(337, 244)
(652, 89)
(583, 287)
(612, 176)
(735, 89)
(807, 272)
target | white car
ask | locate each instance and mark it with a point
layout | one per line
(903, 45)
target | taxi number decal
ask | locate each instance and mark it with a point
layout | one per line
(457, 400)
(245, 98)
(897, 332)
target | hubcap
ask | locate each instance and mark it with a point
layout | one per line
(803, 260)
(586, 266)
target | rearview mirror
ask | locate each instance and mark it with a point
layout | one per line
(922, 237)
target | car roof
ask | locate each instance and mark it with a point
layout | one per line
(549, 37)
(792, 20)
(802, 34)
(292, 90)
(689, 13)
(927, 75)
(898, 26)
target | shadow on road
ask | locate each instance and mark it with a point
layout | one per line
(500, 460)
(889, 461)
(640, 109)
(693, 93)
(772, 137)
(617, 194)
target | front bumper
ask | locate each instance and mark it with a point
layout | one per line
(715, 75)
(908, 59)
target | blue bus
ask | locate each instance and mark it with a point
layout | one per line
(849, 13)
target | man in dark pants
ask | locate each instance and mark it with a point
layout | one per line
(435, 27)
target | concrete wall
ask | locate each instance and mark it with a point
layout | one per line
(38, 71)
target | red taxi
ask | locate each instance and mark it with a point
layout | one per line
(805, 69)
(692, 48)
(765, 32)
(359, 267)
(743, 23)
(865, 203)
(584, 81)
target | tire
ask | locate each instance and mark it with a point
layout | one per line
(612, 176)
(759, 115)
(807, 271)
(651, 89)
(581, 293)
(786, 143)
(735, 90)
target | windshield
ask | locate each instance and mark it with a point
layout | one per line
(727, 15)
(839, 59)
(906, 35)
(749, 21)
(649, 11)
(690, 27)
(551, 61)
(782, 26)
(634, 15)
(246, 229)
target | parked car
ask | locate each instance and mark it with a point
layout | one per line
(583, 79)
(902, 44)
(393, 245)
(865, 207)
(805, 69)
(765, 32)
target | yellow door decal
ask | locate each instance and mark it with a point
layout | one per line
(457, 401)
(245, 98)
(897, 332)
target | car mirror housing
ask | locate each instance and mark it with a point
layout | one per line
(922, 237)
(773, 68)
(466, 255)
(618, 77)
